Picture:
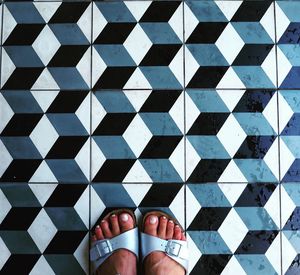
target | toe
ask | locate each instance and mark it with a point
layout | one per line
(183, 238)
(105, 229)
(177, 232)
(126, 222)
(170, 230)
(115, 228)
(94, 238)
(98, 233)
(162, 227)
(150, 226)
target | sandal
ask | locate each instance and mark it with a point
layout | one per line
(175, 249)
(102, 249)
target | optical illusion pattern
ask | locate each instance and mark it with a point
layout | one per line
(189, 107)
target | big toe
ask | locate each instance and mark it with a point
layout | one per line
(126, 222)
(151, 224)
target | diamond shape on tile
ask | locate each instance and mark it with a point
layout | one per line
(234, 229)
(145, 143)
(155, 62)
(42, 33)
(224, 53)
(232, 140)
(49, 144)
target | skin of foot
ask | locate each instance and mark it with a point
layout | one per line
(158, 263)
(121, 261)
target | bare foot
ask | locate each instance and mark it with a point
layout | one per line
(158, 263)
(121, 261)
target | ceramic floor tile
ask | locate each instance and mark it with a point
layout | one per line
(138, 45)
(231, 136)
(290, 215)
(137, 136)
(233, 228)
(288, 31)
(44, 136)
(45, 49)
(141, 198)
(44, 229)
(289, 118)
(230, 44)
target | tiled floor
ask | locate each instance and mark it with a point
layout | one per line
(190, 107)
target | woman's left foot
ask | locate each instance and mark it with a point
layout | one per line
(121, 261)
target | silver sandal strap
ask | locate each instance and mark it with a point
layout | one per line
(102, 249)
(177, 250)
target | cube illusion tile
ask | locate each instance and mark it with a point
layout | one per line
(44, 228)
(44, 136)
(137, 136)
(132, 54)
(230, 44)
(231, 136)
(45, 49)
(233, 228)
(138, 45)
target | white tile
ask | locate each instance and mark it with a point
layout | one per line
(46, 45)
(230, 43)
(137, 135)
(42, 230)
(5, 206)
(137, 44)
(44, 136)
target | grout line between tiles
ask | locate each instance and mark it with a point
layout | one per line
(278, 139)
(184, 117)
(1, 39)
(91, 117)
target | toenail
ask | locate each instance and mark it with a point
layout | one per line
(124, 217)
(177, 226)
(153, 220)
(97, 226)
(103, 221)
(163, 217)
(170, 221)
(113, 215)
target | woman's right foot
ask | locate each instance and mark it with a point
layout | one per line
(121, 261)
(158, 263)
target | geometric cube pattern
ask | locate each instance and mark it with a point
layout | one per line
(230, 44)
(233, 228)
(137, 136)
(154, 62)
(57, 47)
(34, 235)
(190, 107)
(44, 136)
(230, 139)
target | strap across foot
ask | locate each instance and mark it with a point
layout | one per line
(102, 249)
(175, 249)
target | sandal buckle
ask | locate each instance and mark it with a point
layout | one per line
(173, 248)
(103, 248)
